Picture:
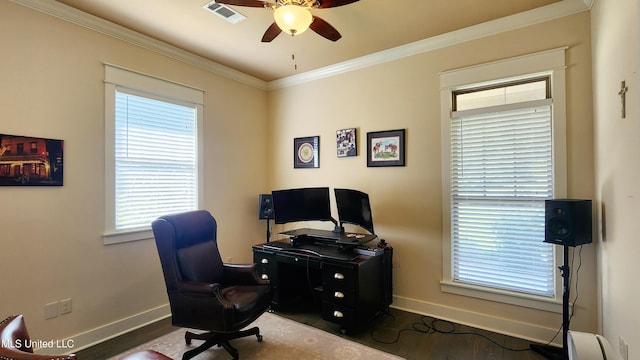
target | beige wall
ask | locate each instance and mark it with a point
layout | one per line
(615, 59)
(407, 201)
(51, 81)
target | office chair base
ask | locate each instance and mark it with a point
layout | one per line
(220, 339)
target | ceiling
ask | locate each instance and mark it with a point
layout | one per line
(367, 26)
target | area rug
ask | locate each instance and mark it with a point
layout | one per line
(283, 339)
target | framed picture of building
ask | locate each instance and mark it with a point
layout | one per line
(30, 161)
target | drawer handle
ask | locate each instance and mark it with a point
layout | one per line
(338, 295)
(265, 277)
(265, 261)
(338, 314)
(338, 276)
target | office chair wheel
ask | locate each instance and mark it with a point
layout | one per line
(259, 337)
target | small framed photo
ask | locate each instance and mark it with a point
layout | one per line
(386, 148)
(346, 143)
(306, 152)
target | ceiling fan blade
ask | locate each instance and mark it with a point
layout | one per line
(250, 3)
(333, 3)
(272, 32)
(324, 29)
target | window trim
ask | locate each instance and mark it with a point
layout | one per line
(153, 87)
(551, 63)
(528, 80)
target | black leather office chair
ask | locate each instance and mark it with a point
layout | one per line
(204, 293)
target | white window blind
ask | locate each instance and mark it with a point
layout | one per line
(156, 170)
(153, 152)
(501, 173)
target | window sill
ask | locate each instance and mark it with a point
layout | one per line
(126, 236)
(506, 297)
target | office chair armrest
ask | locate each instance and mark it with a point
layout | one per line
(198, 288)
(204, 289)
(243, 274)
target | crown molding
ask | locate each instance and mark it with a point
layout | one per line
(539, 15)
(75, 16)
(546, 13)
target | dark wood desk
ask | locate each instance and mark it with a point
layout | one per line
(351, 289)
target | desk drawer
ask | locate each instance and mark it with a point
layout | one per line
(302, 260)
(339, 295)
(338, 314)
(339, 277)
(266, 265)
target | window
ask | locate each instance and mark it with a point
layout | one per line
(501, 173)
(504, 158)
(153, 152)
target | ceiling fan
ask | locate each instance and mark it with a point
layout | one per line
(294, 17)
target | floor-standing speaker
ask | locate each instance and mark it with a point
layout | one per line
(265, 207)
(568, 222)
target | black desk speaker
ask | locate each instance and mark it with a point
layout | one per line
(265, 207)
(568, 222)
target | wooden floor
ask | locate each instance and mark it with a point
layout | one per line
(411, 336)
(125, 342)
(416, 337)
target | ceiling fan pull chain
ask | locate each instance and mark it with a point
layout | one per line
(293, 53)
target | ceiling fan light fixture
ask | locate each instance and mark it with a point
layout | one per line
(293, 19)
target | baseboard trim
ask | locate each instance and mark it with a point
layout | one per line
(114, 329)
(503, 326)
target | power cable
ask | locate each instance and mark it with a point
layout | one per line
(431, 325)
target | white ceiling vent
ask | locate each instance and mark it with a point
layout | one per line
(224, 12)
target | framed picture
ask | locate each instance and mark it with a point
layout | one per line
(306, 152)
(30, 161)
(386, 148)
(346, 143)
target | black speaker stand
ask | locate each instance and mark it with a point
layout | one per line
(552, 352)
(268, 231)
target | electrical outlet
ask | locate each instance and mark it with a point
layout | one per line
(624, 349)
(65, 306)
(51, 310)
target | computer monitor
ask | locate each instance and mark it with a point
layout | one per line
(303, 204)
(354, 208)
